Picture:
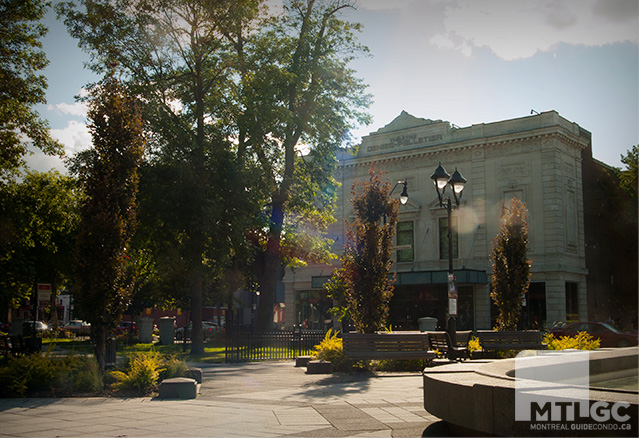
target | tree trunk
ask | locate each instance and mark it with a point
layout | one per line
(270, 272)
(54, 297)
(99, 345)
(197, 341)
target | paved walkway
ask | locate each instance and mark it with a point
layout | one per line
(271, 399)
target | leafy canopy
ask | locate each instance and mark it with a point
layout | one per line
(38, 224)
(21, 87)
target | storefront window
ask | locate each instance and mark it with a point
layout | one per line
(312, 307)
(572, 307)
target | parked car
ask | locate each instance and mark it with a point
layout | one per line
(608, 335)
(125, 327)
(80, 328)
(209, 328)
(29, 326)
(5, 327)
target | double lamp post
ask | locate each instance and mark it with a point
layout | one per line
(456, 182)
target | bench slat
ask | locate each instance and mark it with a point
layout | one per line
(510, 340)
(387, 346)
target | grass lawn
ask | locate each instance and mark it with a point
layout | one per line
(212, 353)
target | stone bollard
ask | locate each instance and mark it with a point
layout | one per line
(302, 361)
(178, 387)
(167, 330)
(319, 367)
(146, 330)
(195, 374)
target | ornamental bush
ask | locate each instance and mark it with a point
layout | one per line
(581, 341)
(331, 349)
(141, 373)
(56, 376)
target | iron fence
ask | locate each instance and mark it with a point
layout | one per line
(250, 347)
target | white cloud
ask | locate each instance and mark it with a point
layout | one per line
(519, 29)
(75, 109)
(75, 137)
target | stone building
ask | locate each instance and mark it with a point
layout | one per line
(538, 158)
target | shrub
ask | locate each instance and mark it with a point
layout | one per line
(173, 367)
(331, 349)
(57, 375)
(582, 341)
(141, 373)
(78, 374)
(473, 344)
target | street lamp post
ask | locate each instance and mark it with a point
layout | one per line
(403, 197)
(441, 179)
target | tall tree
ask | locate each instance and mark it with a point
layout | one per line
(300, 97)
(511, 267)
(367, 259)
(38, 224)
(21, 87)
(110, 182)
(194, 189)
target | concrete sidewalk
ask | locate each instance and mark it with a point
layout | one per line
(269, 399)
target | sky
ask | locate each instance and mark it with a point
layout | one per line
(463, 61)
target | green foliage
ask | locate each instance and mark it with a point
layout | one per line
(57, 376)
(38, 224)
(581, 341)
(511, 269)
(336, 290)
(172, 366)
(366, 260)
(331, 349)
(226, 187)
(21, 87)
(628, 176)
(141, 373)
(109, 179)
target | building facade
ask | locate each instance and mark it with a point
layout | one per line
(537, 158)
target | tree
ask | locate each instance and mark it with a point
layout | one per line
(367, 259)
(511, 269)
(195, 193)
(298, 90)
(230, 96)
(21, 87)
(38, 225)
(628, 176)
(110, 183)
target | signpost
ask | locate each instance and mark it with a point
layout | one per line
(452, 295)
(44, 292)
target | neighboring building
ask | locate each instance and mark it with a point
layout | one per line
(538, 158)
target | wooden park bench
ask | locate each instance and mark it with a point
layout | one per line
(376, 346)
(510, 340)
(441, 342)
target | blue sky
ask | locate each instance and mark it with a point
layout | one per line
(463, 61)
